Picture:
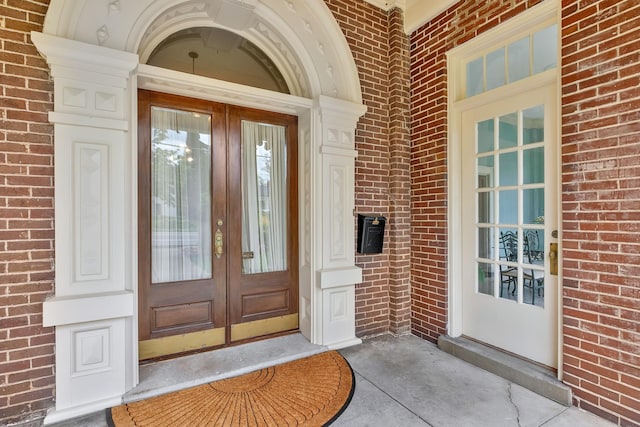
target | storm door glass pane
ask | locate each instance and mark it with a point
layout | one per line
(518, 53)
(180, 195)
(264, 198)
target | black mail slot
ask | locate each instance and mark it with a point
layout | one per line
(370, 233)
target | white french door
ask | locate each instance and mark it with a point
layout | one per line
(509, 223)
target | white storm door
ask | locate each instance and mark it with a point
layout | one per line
(509, 220)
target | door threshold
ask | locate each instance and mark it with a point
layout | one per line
(530, 375)
(166, 376)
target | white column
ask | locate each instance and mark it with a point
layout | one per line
(333, 231)
(93, 307)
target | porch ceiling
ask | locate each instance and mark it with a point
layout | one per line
(416, 12)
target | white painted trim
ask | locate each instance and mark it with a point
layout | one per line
(64, 310)
(94, 122)
(175, 82)
(339, 277)
(344, 344)
(56, 416)
(560, 372)
(535, 18)
(538, 16)
(454, 211)
(538, 80)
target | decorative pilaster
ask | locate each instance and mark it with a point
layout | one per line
(93, 306)
(334, 239)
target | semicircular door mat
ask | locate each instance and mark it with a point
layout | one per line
(307, 392)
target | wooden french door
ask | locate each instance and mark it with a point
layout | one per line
(217, 224)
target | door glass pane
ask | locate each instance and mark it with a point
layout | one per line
(485, 136)
(508, 209)
(180, 195)
(509, 168)
(533, 206)
(485, 278)
(509, 256)
(485, 243)
(545, 49)
(495, 69)
(264, 198)
(533, 166)
(533, 270)
(475, 77)
(485, 207)
(519, 60)
(508, 131)
(533, 125)
(485, 172)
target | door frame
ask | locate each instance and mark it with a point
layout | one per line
(545, 13)
(95, 85)
(227, 279)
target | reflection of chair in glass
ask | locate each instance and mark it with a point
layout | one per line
(508, 252)
(533, 279)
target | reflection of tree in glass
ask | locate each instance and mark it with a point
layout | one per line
(163, 159)
(180, 172)
(263, 160)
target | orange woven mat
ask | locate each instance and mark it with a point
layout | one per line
(308, 392)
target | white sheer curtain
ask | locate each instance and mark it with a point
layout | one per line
(264, 198)
(180, 196)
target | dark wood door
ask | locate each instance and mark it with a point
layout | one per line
(263, 272)
(193, 194)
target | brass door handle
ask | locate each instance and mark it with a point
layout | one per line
(218, 240)
(553, 259)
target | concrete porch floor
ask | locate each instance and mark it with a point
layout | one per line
(400, 381)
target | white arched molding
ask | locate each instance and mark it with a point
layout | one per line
(94, 56)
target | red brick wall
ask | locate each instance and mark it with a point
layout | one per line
(382, 141)
(26, 216)
(601, 205)
(399, 176)
(600, 189)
